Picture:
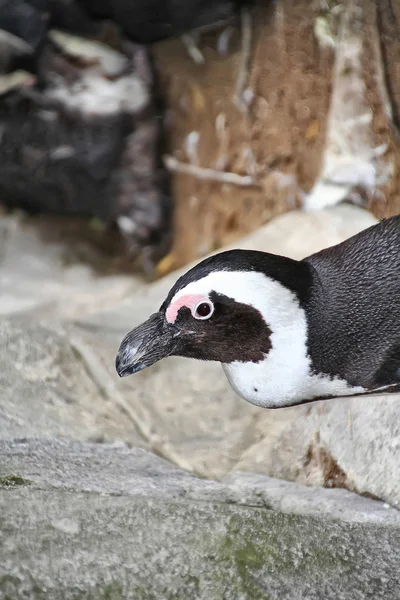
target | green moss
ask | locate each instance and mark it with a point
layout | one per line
(262, 544)
(98, 225)
(12, 481)
(10, 588)
(38, 592)
(242, 553)
(111, 591)
(114, 591)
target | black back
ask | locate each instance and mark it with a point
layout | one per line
(354, 310)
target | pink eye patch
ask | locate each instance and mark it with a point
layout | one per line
(190, 301)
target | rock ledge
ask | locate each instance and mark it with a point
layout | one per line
(99, 521)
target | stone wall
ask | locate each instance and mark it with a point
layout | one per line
(100, 522)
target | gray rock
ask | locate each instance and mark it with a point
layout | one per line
(46, 389)
(183, 410)
(38, 278)
(352, 443)
(87, 521)
(106, 522)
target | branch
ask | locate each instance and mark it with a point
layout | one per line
(173, 164)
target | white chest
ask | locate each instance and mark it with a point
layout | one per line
(270, 385)
(284, 377)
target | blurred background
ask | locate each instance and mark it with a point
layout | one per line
(147, 134)
(139, 136)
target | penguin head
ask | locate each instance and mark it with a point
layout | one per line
(231, 308)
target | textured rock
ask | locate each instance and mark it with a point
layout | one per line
(105, 522)
(59, 379)
(351, 443)
(46, 389)
(351, 160)
(41, 279)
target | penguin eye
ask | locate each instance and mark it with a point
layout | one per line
(203, 309)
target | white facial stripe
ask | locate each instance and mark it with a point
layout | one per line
(284, 377)
(242, 286)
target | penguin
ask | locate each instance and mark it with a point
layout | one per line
(285, 331)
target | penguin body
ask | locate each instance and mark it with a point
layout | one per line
(286, 331)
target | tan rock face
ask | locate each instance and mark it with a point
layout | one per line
(277, 139)
(320, 122)
(317, 122)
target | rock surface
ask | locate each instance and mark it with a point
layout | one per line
(141, 527)
(106, 522)
(317, 120)
(58, 353)
(41, 280)
(46, 389)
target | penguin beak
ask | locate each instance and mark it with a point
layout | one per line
(145, 345)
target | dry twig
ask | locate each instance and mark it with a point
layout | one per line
(173, 164)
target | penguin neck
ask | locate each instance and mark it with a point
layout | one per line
(285, 376)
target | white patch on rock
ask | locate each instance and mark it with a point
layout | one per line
(324, 32)
(105, 86)
(126, 224)
(284, 377)
(15, 80)
(68, 526)
(94, 95)
(112, 62)
(191, 147)
(350, 158)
